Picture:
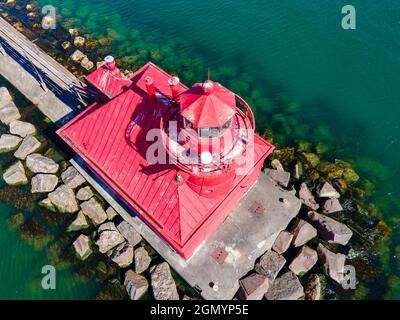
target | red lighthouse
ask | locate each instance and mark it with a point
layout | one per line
(181, 158)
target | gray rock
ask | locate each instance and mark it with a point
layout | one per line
(331, 206)
(84, 194)
(329, 229)
(333, 263)
(286, 287)
(9, 142)
(302, 232)
(82, 247)
(78, 56)
(15, 175)
(41, 164)
(46, 203)
(280, 177)
(162, 283)
(129, 233)
(327, 191)
(305, 259)
(108, 240)
(29, 145)
(111, 213)
(79, 223)
(142, 260)
(123, 255)
(253, 287)
(5, 97)
(9, 113)
(307, 198)
(72, 178)
(282, 242)
(22, 128)
(270, 264)
(313, 289)
(277, 165)
(63, 198)
(135, 284)
(93, 209)
(87, 64)
(108, 226)
(44, 183)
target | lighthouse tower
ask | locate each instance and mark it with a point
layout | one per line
(211, 156)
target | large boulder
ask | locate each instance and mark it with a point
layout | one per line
(9, 113)
(280, 177)
(15, 175)
(63, 198)
(329, 229)
(123, 255)
(78, 56)
(331, 206)
(94, 210)
(327, 191)
(270, 264)
(5, 97)
(85, 193)
(22, 128)
(286, 287)
(41, 164)
(82, 247)
(72, 178)
(253, 287)
(44, 183)
(282, 242)
(111, 213)
(142, 260)
(302, 232)
(136, 285)
(9, 142)
(162, 283)
(79, 223)
(305, 259)
(313, 289)
(307, 197)
(333, 263)
(29, 145)
(109, 238)
(129, 233)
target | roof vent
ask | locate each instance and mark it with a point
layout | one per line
(110, 63)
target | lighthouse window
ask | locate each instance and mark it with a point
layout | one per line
(227, 124)
(209, 132)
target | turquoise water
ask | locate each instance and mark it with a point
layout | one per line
(345, 82)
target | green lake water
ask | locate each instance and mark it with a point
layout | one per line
(344, 82)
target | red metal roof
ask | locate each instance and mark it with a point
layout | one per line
(208, 105)
(111, 138)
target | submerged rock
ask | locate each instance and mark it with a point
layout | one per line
(162, 283)
(129, 233)
(331, 206)
(109, 238)
(310, 160)
(94, 210)
(41, 164)
(22, 128)
(82, 247)
(313, 289)
(123, 255)
(282, 242)
(307, 198)
(15, 175)
(72, 178)
(63, 198)
(286, 287)
(9, 142)
(16, 220)
(135, 284)
(333, 263)
(9, 113)
(79, 41)
(29, 145)
(329, 229)
(302, 232)
(253, 287)
(327, 191)
(44, 183)
(305, 259)
(84, 194)
(280, 177)
(270, 264)
(142, 260)
(79, 223)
